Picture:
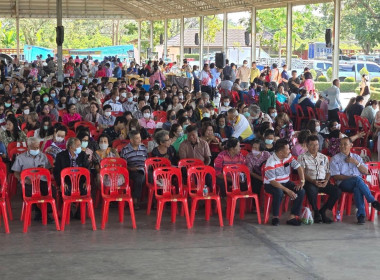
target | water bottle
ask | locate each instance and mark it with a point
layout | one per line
(338, 216)
(205, 191)
(371, 144)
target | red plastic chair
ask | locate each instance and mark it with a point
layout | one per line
(118, 142)
(363, 124)
(4, 198)
(13, 145)
(344, 126)
(113, 162)
(35, 175)
(23, 126)
(214, 148)
(62, 112)
(289, 111)
(75, 174)
(3, 167)
(247, 147)
(30, 133)
(15, 152)
(321, 115)
(90, 125)
(244, 152)
(158, 115)
(234, 172)
(198, 174)
(116, 113)
(360, 150)
(70, 133)
(116, 192)
(311, 113)
(300, 117)
(165, 191)
(372, 181)
(150, 165)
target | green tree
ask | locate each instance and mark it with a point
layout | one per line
(212, 26)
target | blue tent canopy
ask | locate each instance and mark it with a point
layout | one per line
(31, 52)
(123, 51)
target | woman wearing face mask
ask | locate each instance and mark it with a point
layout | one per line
(46, 131)
(8, 103)
(25, 111)
(177, 136)
(146, 120)
(164, 149)
(12, 133)
(170, 120)
(224, 130)
(58, 143)
(300, 147)
(44, 100)
(94, 116)
(54, 96)
(283, 127)
(84, 137)
(269, 138)
(315, 127)
(305, 102)
(62, 104)
(105, 151)
(45, 112)
(255, 160)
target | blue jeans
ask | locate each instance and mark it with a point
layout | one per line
(357, 186)
(244, 85)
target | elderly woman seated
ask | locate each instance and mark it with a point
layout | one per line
(164, 148)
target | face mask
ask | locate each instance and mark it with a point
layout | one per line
(180, 134)
(146, 98)
(222, 126)
(59, 139)
(245, 64)
(180, 97)
(201, 106)
(133, 128)
(78, 150)
(46, 127)
(124, 95)
(34, 152)
(83, 81)
(26, 111)
(256, 153)
(103, 146)
(146, 115)
(284, 126)
(53, 95)
(268, 141)
(246, 114)
(7, 105)
(317, 128)
(337, 126)
(117, 98)
(84, 144)
(206, 115)
(184, 126)
(45, 99)
(226, 104)
(172, 118)
(38, 88)
(273, 115)
(107, 114)
(130, 99)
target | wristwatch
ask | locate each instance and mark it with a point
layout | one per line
(358, 165)
(302, 181)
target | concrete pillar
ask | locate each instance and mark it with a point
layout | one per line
(151, 35)
(225, 33)
(165, 39)
(201, 40)
(337, 10)
(253, 34)
(18, 29)
(289, 25)
(59, 48)
(182, 39)
(138, 57)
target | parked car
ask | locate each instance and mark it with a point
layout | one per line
(353, 69)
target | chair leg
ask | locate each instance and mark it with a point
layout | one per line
(68, 213)
(242, 208)
(121, 211)
(349, 205)
(186, 209)
(267, 203)
(193, 208)
(228, 210)
(27, 216)
(220, 213)
(342, 204)
(160, 208)
(132, 210)
(258, 209)
(150, 200)
(174, 211)
(105, 214)
(207, 209)
(92, 214)
(55, 215)
(9, 208)
(232, 212)
(83, 212)
(64, 214)
(5, 217)
(22, 217)
(43, 207)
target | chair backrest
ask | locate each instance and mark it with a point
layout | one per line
(118, 142)
(112, 175)
(164, 177)
(196, 177)
(75, 175)
(85, 124)
(153, 163)
(35, 175)
(3, 183)
(343, 119)
(70, 133)
(238, 174)
(373, 177)
(244, 152)
(214, 147)
(12, 145)
(157, 115)
(189, 162)
(245, 146)
(311, 113)
(358, 121)
(30, 133)
(361, 150)
(16, 151)
(113, 162)
(321, 115)
(62, 112)
(299, 111)
(366, 125)
(50, 159)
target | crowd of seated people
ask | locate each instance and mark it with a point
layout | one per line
(81, 121)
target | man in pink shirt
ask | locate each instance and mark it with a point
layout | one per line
(146, 120)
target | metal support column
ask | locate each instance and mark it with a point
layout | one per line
(289, 32)
(59, 48)
(201, 40)
(253, 34)
(138, 56)
(182, 40)
(337, 9)
(18, 29)
(225, 33)
(165, 39)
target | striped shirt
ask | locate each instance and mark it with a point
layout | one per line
(315, 167)
(134, 158)
(279, 170)
(224, 158)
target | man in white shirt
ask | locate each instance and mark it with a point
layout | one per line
(114, 102)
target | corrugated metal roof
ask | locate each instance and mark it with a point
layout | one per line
(137, 9)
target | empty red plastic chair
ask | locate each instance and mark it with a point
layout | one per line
(321, 115)
(3, 199)
(361, 150)
(197, 175)
(118, 190)
(311, 113)
(166, 191)
(235, 173)
(300, 117)
(289, 111)
(150, 165)
(15, 152)
(34, 176)
(372, 181)
(13, 145)
(75, 175)
(344, 126)
(112, 162)
(3, 168)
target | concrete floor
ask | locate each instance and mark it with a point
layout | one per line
(245, 251)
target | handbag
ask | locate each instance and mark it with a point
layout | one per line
(307, 217)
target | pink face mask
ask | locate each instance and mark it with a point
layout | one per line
(256, 153)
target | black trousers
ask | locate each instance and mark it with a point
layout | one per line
(333, 115)
(138, 178)
(312, 193)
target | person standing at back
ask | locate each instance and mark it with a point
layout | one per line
(243, 74)
(333, 98)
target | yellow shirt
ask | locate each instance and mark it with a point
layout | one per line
(255, 73)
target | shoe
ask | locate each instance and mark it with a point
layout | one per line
(293, 222)
(376, 205)
(325, 219)
(317, 218)
(275, 221)
(361, 220)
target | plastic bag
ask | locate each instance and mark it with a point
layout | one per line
(307, 217)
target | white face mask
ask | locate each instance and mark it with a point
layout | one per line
(26, 111)
(146, 98)
(147, 115)
(124, 95)
(103, 146)
(117, 98)
(317, 128)
(59, 139)
(107, 114)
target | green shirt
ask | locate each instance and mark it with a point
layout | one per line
(179, 141)
(266, 100)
